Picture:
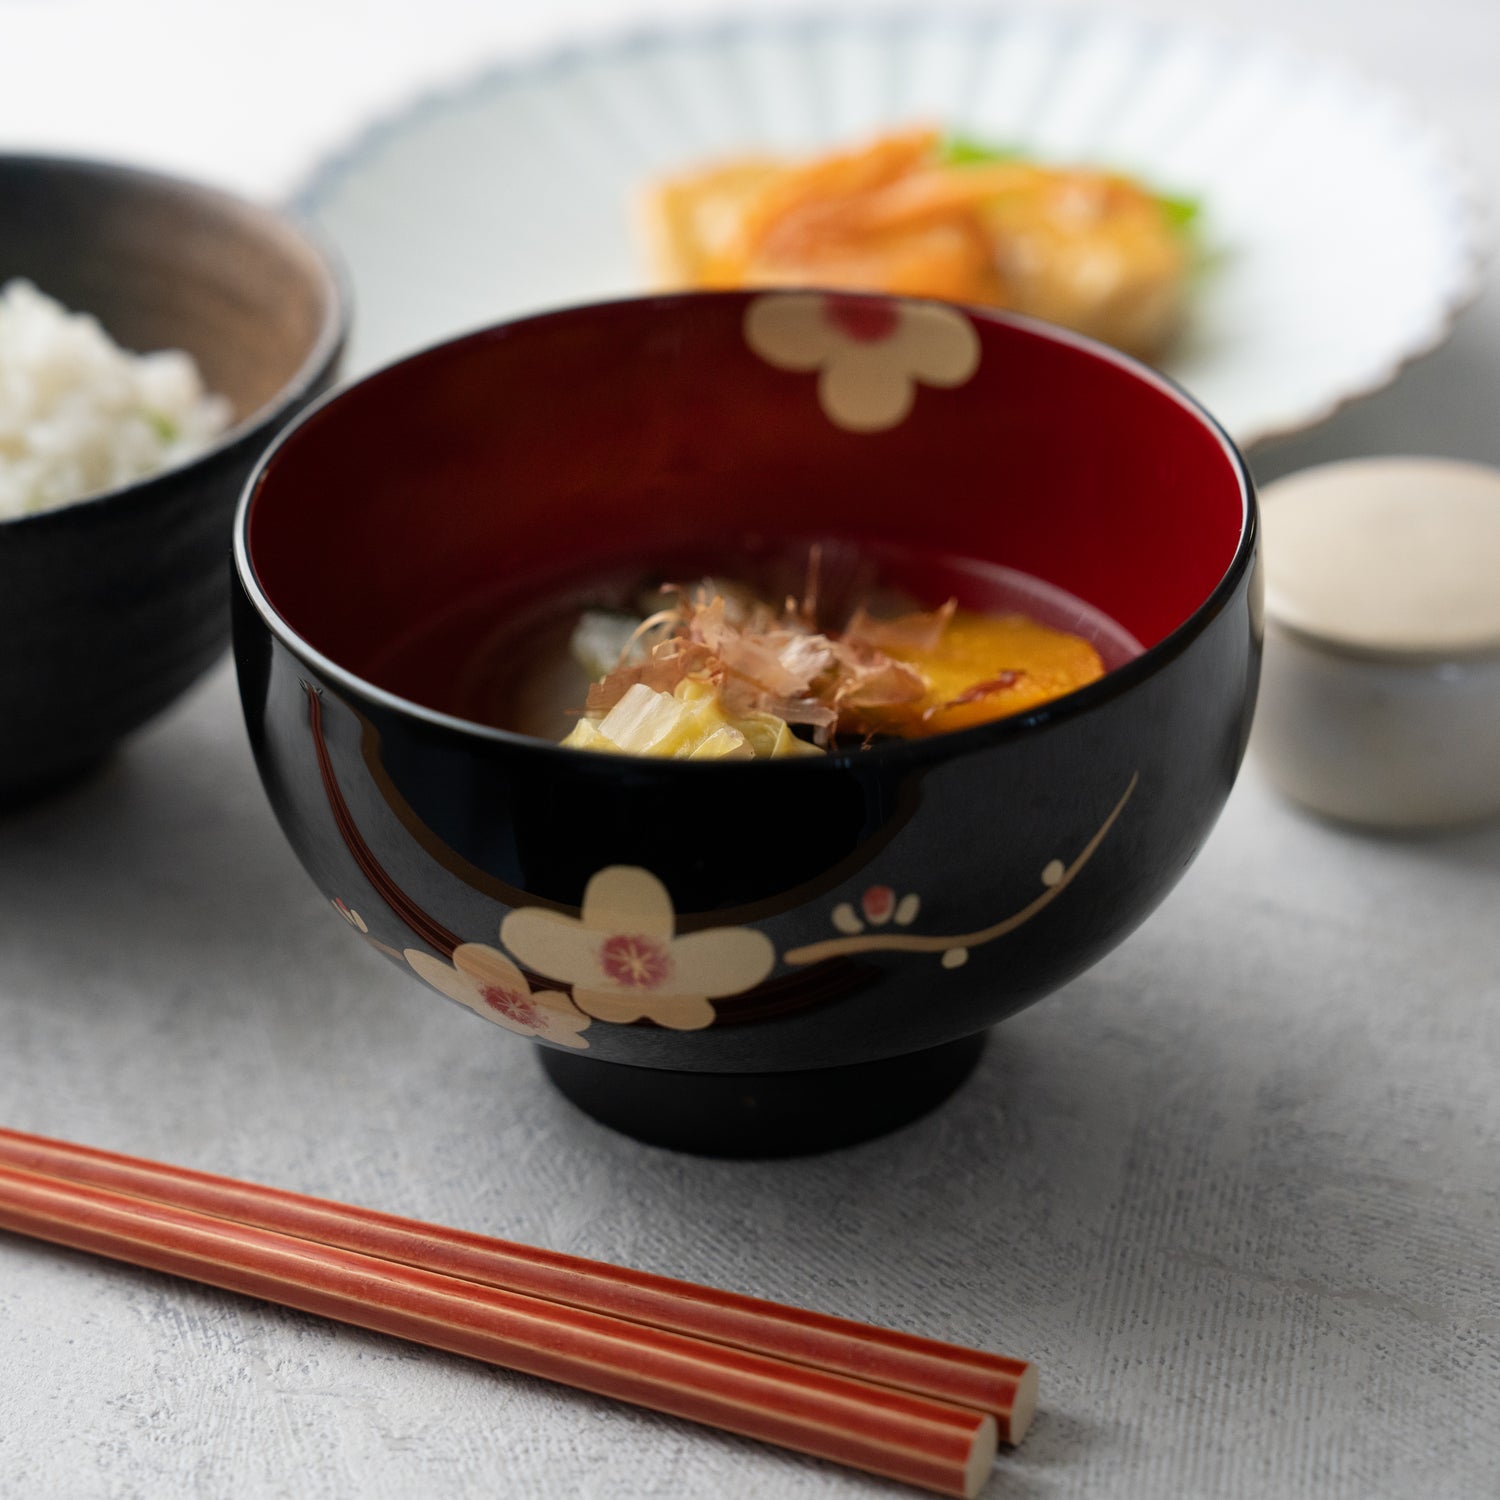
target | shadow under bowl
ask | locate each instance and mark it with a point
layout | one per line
(753, 958)
(112, 606)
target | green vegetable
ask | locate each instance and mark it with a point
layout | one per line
(1181, 213)
(967, 151)
(164, 427)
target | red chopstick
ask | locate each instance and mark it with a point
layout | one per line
(994, 1383)
(893, 1433)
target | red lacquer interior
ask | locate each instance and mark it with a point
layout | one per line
(570, 443)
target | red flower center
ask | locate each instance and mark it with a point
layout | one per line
(514, 1007)
(862, 318)
(879, 902)
(634, 960)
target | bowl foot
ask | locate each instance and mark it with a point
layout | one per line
(763, 1114)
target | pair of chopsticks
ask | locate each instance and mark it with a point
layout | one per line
(908, 1408)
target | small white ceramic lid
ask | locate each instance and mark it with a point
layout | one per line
(1387, 556)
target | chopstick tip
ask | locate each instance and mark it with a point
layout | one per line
(1023, 1406)
(981, 1458)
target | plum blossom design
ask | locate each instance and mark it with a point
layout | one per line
(385, 948)
(870, 352)
(880, 907)
(359, 924)
(623, 959)
(493, 987)
(351, 916)
(877, 906)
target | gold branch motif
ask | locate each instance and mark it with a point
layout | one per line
(955, 950)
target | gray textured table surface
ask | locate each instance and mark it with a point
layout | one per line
(1237, 1189)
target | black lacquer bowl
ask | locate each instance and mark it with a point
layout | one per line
(743, 958)
(111, 607)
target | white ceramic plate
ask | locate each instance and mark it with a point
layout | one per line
(1342, 238)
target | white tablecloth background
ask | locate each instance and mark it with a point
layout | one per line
(1237, 1190)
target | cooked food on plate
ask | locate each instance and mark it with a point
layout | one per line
(919, 214)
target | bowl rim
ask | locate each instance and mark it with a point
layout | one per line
(320, 358)
(937, 747)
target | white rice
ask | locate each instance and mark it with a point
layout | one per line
(78, 414)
